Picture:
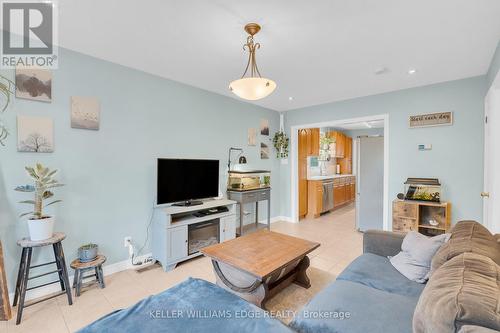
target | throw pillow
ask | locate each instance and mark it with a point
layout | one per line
(417, 250)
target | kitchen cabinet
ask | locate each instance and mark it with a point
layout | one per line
(313, 141)
(344, 191)
(302, 168)
(346, 161)
(338, 195)
(315, 198)
(308, 146)
(340, 142)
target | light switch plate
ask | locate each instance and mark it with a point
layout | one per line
(425, 146)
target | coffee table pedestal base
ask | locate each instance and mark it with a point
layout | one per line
(259, 290)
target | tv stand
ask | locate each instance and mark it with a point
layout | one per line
(188, 203)
(171, 225)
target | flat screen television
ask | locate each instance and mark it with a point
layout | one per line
(183, 181)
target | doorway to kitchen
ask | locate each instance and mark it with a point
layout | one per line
(341, 168)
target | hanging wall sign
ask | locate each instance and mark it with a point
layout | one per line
(431, 119)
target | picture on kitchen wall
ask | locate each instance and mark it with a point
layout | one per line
(264, 151)
(35, 134)
(252, 136)
(34, 84)
(85, 112)
(264, 127)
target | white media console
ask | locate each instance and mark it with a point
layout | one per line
(177, 232)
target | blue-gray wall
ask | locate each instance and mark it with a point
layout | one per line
(494, 67)
(110, 173)
(457, 154)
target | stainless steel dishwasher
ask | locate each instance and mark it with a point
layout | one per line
(327, 202)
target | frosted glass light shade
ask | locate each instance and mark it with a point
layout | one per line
(252, 88)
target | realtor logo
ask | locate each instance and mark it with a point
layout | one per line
(28, 34)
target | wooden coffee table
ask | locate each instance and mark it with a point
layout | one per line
(259, 265)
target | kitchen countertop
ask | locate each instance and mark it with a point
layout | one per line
(328, 177)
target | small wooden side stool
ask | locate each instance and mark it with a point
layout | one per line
(23, 275)
(81, 267)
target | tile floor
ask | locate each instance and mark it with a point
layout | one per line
(340, 244)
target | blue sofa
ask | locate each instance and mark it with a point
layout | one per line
(370, 295)
(370, 291)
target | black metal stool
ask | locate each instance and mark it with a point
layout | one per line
(25, 266)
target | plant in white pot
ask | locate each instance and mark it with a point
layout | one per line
(40, 226)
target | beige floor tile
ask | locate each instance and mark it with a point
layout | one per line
(42, 317)
(322, 264)
(89, 305)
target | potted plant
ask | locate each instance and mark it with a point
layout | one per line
(40, 226)
(7, 88)
(280, 142)
(87, 252)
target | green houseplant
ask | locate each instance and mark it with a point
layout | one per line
(40, 226)
(87, 252)
(280, 142)
(6, 90)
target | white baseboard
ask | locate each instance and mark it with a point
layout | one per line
(277, 219)
(107, 270)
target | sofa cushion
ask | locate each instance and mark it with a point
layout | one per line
(475, 329)
(192, 306)
(463, 291)
(417, 250)
(377, 272)
(467, 236)
(363, 309)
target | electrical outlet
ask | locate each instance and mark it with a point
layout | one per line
(126, 241)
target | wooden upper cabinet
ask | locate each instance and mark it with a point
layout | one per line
(303, 143)
(314, 141)
(348, 147)
(340, 139)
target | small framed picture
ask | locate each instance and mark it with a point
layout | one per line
(85, 112)
(264, 127)
(34, 84)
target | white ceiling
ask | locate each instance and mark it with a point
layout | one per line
(317, 51)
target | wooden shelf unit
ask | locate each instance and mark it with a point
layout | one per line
(408, 215)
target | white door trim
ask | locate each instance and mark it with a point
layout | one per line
(494, 90)
(332, 123)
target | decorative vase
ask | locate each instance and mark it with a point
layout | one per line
(41, 229)
(87, 252)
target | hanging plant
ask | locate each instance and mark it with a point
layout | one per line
(280, 141)
(6, 90)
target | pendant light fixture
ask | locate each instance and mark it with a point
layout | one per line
(252, 86)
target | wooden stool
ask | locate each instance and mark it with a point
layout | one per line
(81, 267)
(25, 265)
